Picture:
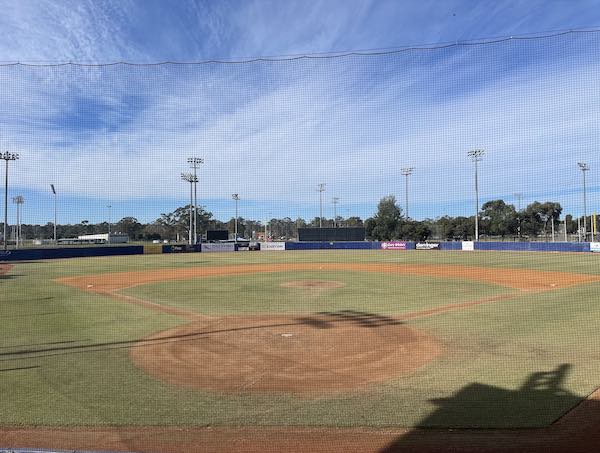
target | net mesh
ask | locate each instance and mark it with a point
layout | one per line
(273, 130)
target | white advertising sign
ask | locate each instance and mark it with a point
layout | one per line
(468, 246)
(269, 246)
(394, 245)
(219, 247)
(595, 247)
(427, 246)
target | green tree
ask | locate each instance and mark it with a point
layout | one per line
(571, 224)
(129, 226)
(384, 225)
(537, 215)
(414, 231)
(499, 218)
(353, 221)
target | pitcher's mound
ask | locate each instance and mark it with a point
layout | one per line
(312, 284)
(310, 356)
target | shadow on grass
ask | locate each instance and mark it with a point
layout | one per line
(324, 320)
(3, 370)
(459, 423)
(49, 343)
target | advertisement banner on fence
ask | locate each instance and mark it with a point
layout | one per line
(218, 247)
(181, 249)
(271, 246)
(595, 247)
(393, 245)
(427, 246)
(468, 246)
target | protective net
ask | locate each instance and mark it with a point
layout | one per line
(273, 130)
(461, 147)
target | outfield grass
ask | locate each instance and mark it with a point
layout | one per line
(490, 350)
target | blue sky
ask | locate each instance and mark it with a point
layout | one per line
(271, 131)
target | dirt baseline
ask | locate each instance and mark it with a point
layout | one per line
(308, 356)
(4, 268)
(522, 279)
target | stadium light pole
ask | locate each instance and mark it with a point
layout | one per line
(321, 189)
(191, 179)
(236, 197)
(406, 172)
(109, 221)
(54, 192)
(6, 156)
(584, 167)
(18, 200)
(195, 163)
(476, 156)
(336, 200)
(519, 197)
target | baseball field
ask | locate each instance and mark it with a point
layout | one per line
(302, 351)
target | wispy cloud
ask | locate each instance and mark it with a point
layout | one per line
(273, 130)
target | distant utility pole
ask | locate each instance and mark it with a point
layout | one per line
(18, 200)
(109, 221)
(6, 156)
(519, 197)
(195, 163)
(476, 156)
(406, 172)
(192, 180)
(236, 197)
(54, 192)
(584, 167)
(336, 200)
(321, 189)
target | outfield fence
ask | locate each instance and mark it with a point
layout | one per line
(389, 246)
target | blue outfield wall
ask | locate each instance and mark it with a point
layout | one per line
(450, 245)
(331, 245)
(74, 252)
(178, 248)
(80, 252)
(534, 246)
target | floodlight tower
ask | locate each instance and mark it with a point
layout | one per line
(406, 172)
(336, 200)
(195, 163)
(476, 156)
(54, 192)
(192, 180)
(236, 197)
(109, 221)
(18, 200)
(519, 198)
(6, 156)
(321, 189)
(584, 167)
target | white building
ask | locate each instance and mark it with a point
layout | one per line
(115, 238)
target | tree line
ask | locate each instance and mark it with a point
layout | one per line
(497, 219)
